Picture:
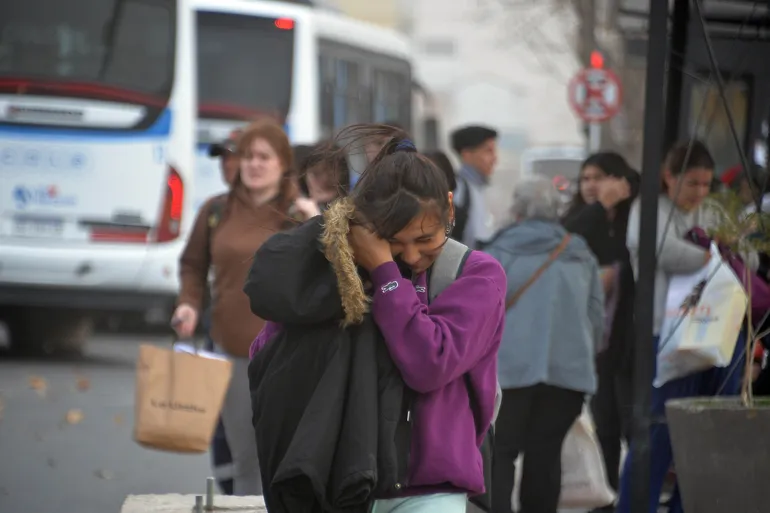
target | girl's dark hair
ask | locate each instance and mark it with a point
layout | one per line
(684, 156)
(611, 164)
(440, 158)
(397, 185)
(307, 156)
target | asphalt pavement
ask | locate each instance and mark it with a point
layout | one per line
(65, 434)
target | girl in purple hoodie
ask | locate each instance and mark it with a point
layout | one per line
(401, 215)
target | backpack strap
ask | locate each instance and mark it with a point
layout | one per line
(216, 208)
(447, 267)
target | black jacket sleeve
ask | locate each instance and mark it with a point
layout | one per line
(591, 223)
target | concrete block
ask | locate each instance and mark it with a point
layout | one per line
(177, 503)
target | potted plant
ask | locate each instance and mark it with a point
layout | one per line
(721, 444)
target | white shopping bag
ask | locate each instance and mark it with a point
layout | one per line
(704, 314)
(583, 476)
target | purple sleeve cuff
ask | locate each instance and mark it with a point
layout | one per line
(385, 274)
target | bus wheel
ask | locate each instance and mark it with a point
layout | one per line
(49, 331)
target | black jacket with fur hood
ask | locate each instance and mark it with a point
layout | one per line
(328, 402)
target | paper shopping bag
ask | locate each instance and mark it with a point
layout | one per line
(178, 399)
(704, 315)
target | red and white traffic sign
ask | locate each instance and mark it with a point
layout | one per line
(594, 94)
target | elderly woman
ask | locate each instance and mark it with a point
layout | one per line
(554, 322)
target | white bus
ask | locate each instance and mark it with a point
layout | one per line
(106, 112)
(561, 164)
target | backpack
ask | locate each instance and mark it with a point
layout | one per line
(462, 212)
(447, 268)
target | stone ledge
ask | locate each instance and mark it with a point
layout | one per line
(177, 503)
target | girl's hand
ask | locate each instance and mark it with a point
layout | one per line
(370, 251)
(185, 320)
(307, 207)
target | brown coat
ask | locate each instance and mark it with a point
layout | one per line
(241, 230)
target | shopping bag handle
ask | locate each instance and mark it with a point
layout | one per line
(175, 339)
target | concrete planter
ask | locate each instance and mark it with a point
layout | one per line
(721, 454)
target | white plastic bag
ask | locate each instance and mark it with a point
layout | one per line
(700, 329)
(583, 476)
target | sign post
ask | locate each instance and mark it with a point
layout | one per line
(595, 95)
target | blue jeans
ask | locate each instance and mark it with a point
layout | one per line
(713, 382)
(435, 503)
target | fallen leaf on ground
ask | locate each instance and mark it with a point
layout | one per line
(104, 474)
(74, 416)
(118, 419)
(83, 383)
(39, 385)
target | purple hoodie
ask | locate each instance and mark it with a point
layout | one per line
(434, 347)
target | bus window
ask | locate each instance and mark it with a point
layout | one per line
(391, 93)
(714, 129)
(347, 94)
(114, 50)
(244, 66)
(326, 91)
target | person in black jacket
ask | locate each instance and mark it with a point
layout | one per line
(599, 213)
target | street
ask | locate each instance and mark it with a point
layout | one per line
(65, 434)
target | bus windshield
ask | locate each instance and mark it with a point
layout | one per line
(244, 66)
(114, 50)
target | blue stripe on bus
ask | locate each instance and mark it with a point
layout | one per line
(161, 127)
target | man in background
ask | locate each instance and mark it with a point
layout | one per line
(476, 146)
(228, 158)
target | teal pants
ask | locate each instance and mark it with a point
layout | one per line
(436, 503)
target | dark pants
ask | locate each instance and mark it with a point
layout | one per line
(534, 421)
(712, 382)
(611, 408)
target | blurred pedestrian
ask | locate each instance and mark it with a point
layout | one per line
(553, 326)
(476, 146)
(599, 213)
(263, 200)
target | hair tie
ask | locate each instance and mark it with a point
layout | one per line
(405, 145)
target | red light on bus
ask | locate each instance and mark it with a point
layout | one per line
(284, 23)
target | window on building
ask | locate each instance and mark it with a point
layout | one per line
(714, 128)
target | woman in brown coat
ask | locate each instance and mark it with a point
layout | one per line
(227, 232)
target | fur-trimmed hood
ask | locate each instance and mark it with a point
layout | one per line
(308, 275)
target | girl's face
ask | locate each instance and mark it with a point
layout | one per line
(261, 168)
(420, 243)
(589, 183)
(688, 190)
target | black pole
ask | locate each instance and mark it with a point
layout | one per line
(652, 157)
(676, 58)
